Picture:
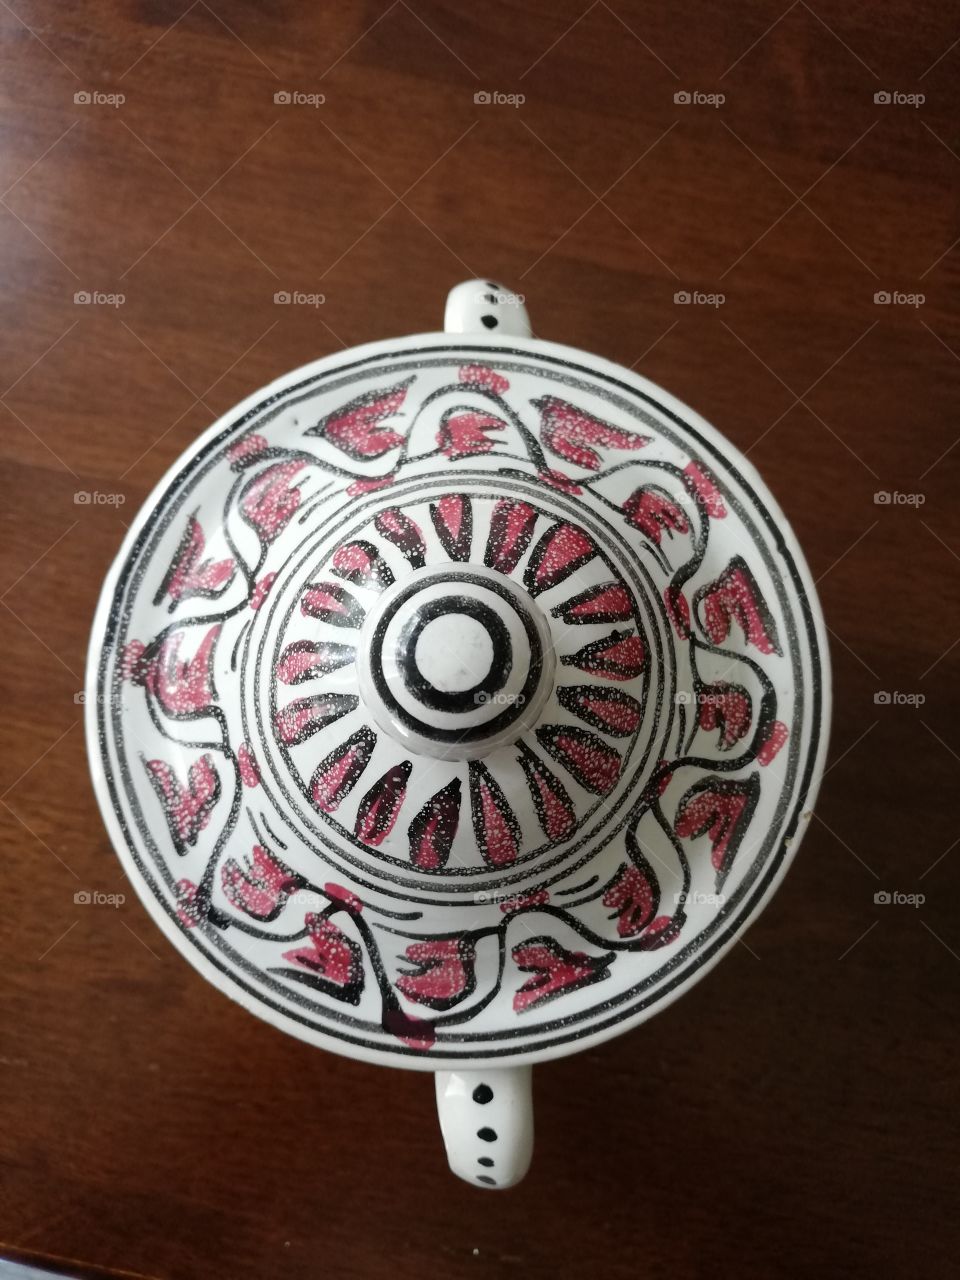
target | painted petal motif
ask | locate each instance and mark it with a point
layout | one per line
(562, 550)
(187, 806)
(444, 973)
(482, 376)
(678, 611)
(653, 513)
(702, 483)
(726, 707)
(494, 824)
(633, 896)
(720, 808)
(736, 597)
(299, 720)
(776, 736)
(462, 433)
(432, 831)
(551, 800)
(556, 971)
(260, 885)
(570, 432)
(380, 807)
(189, 574)
(337, 775)
(610, 710)
(329, 602)
(332, 963)
(618, 656)
(356, 427)
(403, 533)
(305, 658)
(594, 764)
(183, 689)
(452, 518)
(269, 502)
(511, 528)
(360, 563)
(609, 602)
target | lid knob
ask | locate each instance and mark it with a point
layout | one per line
(455, 661)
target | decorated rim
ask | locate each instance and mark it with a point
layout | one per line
(381, 854)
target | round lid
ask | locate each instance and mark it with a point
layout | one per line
(457, 697)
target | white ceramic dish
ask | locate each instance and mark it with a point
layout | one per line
(454, 703)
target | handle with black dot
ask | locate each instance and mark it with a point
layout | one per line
(486, 1118)
(483, 306)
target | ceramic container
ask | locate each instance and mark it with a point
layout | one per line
(454, 703)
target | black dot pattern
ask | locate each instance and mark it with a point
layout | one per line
(482, 1177)
(487, 1135)
(482, 1094)
(485, 1161)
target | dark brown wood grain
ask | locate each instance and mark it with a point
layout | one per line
(795, 1115)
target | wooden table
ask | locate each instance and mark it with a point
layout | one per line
(796, 1114)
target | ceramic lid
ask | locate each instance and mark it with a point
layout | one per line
(457, 697)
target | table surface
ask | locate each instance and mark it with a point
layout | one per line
(796, 1113)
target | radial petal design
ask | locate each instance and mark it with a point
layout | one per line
(494, 822)
(305, 658)
(608, 602)
(562, 550)
(359, 562)
(337, 775)
(329, 602)
(610, 710)
(619, 656)
(380, 807)
(511, 528)
(432, 831)
(304, 717)
(404, 533)
(452, 518)
(594, 764)
(555, 810)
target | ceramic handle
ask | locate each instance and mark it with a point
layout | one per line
(486, 1118)
(483, 306)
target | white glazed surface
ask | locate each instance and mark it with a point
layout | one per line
(506, 1027)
